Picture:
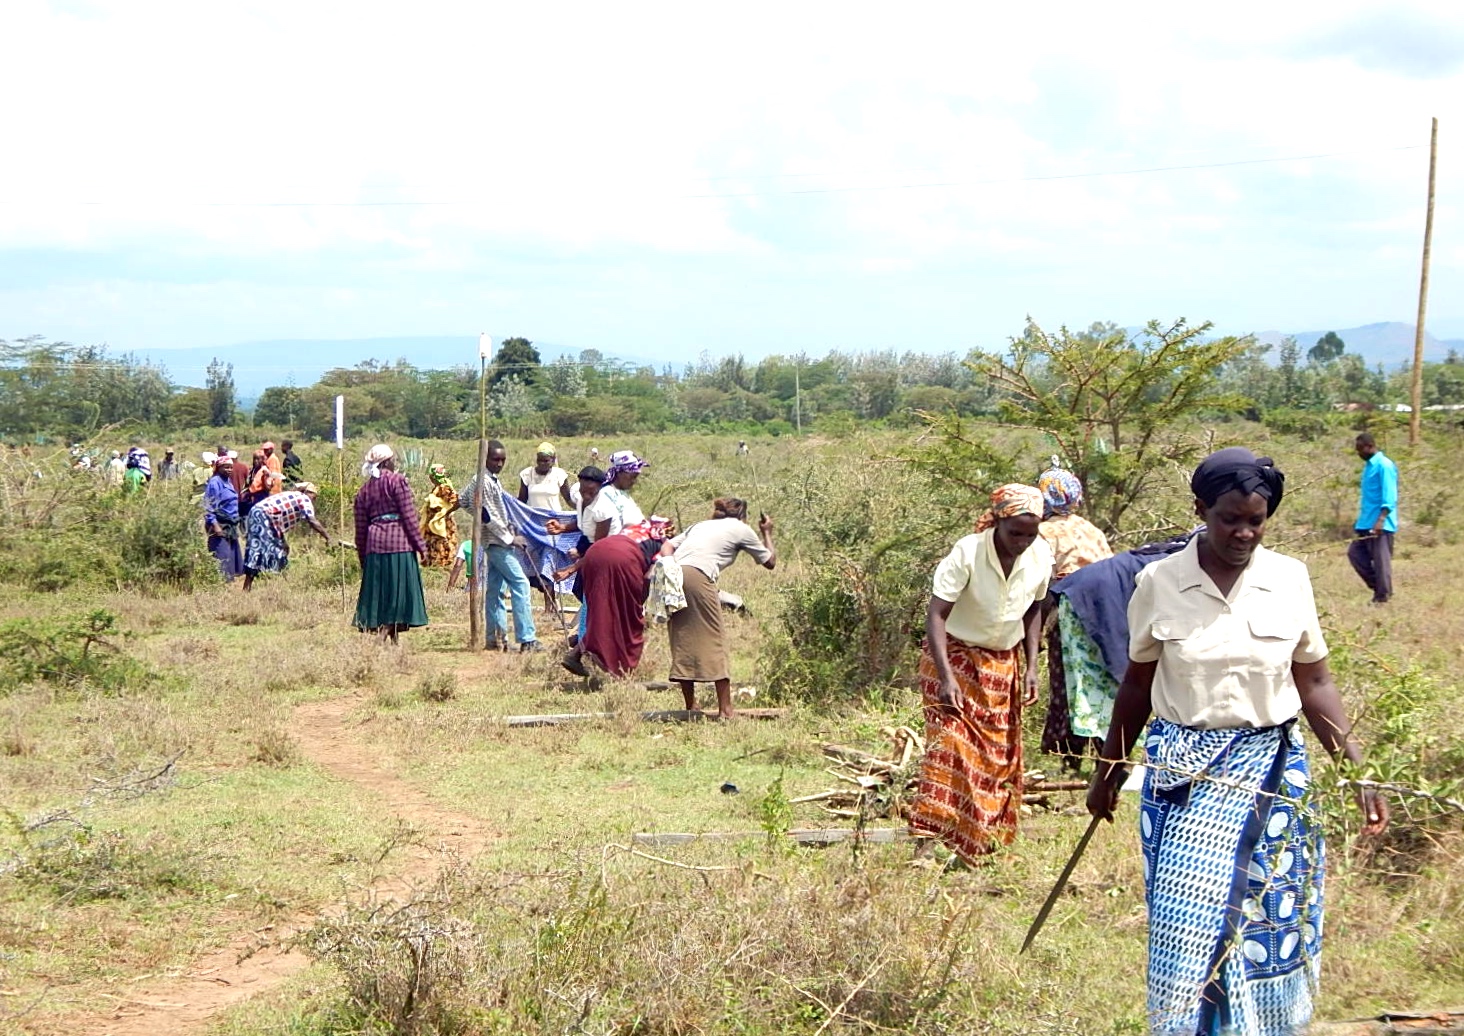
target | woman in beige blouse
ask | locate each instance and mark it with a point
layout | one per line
(1226, 651)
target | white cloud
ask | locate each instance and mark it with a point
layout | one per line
(593, 133)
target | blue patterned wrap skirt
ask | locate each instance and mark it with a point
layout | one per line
(1233, 866)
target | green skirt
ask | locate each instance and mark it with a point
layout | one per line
(391, 592)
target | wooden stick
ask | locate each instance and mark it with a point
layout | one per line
(807, 836)
(555, 719)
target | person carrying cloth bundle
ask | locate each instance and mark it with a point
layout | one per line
(439, 531)
(1225, 651)
(1075, 542)
(985, 614)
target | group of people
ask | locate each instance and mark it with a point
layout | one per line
(248, 512)
(594, 540)
(1213, 642)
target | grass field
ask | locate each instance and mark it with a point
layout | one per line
(359, 826)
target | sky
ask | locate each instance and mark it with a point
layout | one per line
(660, 180)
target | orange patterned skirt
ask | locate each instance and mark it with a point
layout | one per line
(971, 776)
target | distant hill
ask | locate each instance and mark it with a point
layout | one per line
(258, 365)
(1389, 343)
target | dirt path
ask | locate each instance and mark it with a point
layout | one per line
(184, 1002)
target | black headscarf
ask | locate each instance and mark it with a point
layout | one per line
(1238, 468)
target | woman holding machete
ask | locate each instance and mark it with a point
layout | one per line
(1225, 651)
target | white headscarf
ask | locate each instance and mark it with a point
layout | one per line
(375, 457)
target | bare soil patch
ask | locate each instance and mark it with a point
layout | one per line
(178, 1003)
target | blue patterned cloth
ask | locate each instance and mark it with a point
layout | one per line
(545, 553)
(1233, 867)
(265, 548)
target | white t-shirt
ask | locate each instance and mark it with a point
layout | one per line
(544, 489)
(614, 505)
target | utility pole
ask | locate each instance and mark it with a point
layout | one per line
(1415, 419)
(478, 577)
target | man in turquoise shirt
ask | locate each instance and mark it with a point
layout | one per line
(1371, 551)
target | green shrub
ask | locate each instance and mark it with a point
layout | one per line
(79, 650)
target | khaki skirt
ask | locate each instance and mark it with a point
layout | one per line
(698, 650)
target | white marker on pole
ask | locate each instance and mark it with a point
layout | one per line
(485, 346)
(340, 422)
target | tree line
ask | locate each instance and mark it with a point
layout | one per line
(59, 390)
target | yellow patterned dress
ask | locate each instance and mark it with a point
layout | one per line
(437, 526)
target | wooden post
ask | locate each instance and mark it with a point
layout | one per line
(477, 580)
(1415, 419)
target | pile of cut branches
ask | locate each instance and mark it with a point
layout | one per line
(874, 786)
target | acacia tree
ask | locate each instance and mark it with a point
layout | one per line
(220, 385)
(1115, 404)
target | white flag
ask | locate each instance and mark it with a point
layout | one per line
(485, 346)
(340, 422)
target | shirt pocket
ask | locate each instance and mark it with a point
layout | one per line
(1180, 638)
(1274, 636)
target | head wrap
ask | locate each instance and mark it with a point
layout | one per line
(209, 457)
(624, 461)
(437, 473)
(258, 457)
(137, 458)
(266, 445)
(1062, 493)
(546, 449)
(653, 528)
(1008, 501)
(1238, 468)
(306, 487)
(375, 457)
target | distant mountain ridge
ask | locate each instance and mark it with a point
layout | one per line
(1389, 343)
(258, 365)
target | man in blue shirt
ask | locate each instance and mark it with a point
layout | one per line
(1371, 552)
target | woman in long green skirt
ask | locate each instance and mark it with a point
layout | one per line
(390, 546)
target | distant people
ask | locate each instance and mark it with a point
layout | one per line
(389, 545)
(276, 468)
(984, 620)
(499, 565)
(221, 517)
(241, 471)
(1075, 542)
(1371, 551)
(438, 529)
(266, 548)
(545, 485)
(704, 551)
(594, 455)
(169, 469)
(741, 448)
(260, 485)
(201, 475)
(116, 469)
(137, 472)
(294, 471)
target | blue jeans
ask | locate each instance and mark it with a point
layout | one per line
(503, 568)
